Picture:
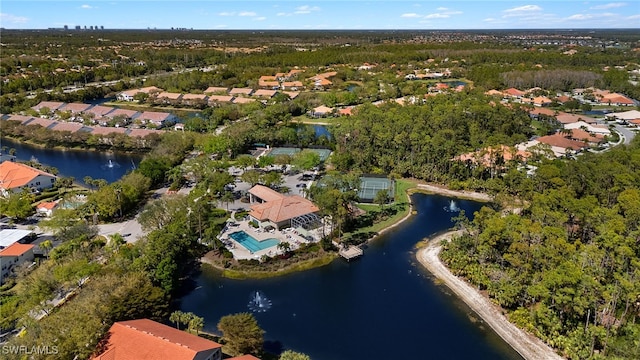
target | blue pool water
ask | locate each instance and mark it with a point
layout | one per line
(250, 243)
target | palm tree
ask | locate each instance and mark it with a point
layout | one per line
(284, 246)
(196, 323)
(46, 247)
(177, 317)
(89, 181)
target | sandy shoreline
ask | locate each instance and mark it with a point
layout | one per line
(527, 345)
(463, 194)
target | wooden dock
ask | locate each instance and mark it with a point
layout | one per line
(351, 252)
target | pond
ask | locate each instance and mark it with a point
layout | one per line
(110, 166)
(382, 306)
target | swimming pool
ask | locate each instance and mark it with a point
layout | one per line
(250, 243)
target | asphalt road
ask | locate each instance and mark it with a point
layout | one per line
(626, 133)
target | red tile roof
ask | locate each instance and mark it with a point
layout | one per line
(238, 91)
(560, 141)
(215, 89)
(265, 193)
(542, 111)
(220, 98)
(145, 339)
(51, 105)
(278, 207)
(513, 92)
(292, 94)
(103, 130)
(154, 116)
(23, 119)
(122, 112)
(16, 249)
(566, 118)
(13, 174)
(75, 107)
(194, 97)
(45, 123)
(67, 126)
(168, 95)
(265, 93)
(241, 100)
(48, 205)
(99, 110)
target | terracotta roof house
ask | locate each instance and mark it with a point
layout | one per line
(13, 256)
(537, 111)
(194, 99)
(327, 75)
(68, 126)
(45, 123)
(46, 208)
(51, 105)
(268, 82)
(513, 92)
(216, 99)
(563, 99)
(144, 339)
(265, 93)
(241, 91)
(582, 135)
(75, 108)
(488, 156)
(565, 118)
(321, 111)
(15, 176)
(493, 92)
(143, 132)
(558, 140)
(22, 118)
(321, 83)
(156, 118)
(103, 130)
(276, 209)
(348, 111)
(128, 114)
(216, 90)
(241, 100)
(292, 94)
(168, 97)
(541, 101)
(292, 85)
(616, 99)
(99, 111)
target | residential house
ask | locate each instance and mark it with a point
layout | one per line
(103, 130)
(158, 119)
(168, 98)
(69, 126)
(347, 111)
(268, 82)
(216, 90)
(75, 108)
(627, 116)
(21, 118)
(13, 256)
(493, 92)
(130, 94)
(592, 128)
(268, 94)
(565, 118)
(560, 141)
(145, 339)
(46, 208)
(321, 111)
(584, 136)
(292, 85)
(9, 237)
(194, 99)
(45, 123)
(99, 111)
(513, 93)
(492, 156)
(219, 99)
(16, 176)
(51, 105)
(124, 114)
(537, 111)
(292, 94)
(241, 91)
(242, 100)
(616, 99)
(278, 210)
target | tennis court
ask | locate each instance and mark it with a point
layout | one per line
(323, 153)
(369, 187)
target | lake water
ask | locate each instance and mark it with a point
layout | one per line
(77, 163)
(382, 306)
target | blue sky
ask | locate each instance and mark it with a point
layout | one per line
(323, 14)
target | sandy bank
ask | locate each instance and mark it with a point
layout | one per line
(527, 345)
(472, 195)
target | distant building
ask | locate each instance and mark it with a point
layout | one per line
(145, 339)
(66, 27)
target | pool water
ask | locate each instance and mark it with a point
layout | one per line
(250, 243)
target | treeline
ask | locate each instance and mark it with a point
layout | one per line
(567, 268)
(420, 141)
(550, 79)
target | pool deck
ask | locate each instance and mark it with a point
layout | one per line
(240, 252)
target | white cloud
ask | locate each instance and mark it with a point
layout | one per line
(489, 19)
(260, 18)
(608, 6)
(436, 16)
(306, 9)
(13, 19)
(442, 9)
(633, 17)
(410, 15)
(283, 14)
(522, 11)
(580, 17)
(85, 6)
(226, 13)
(247, 13)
